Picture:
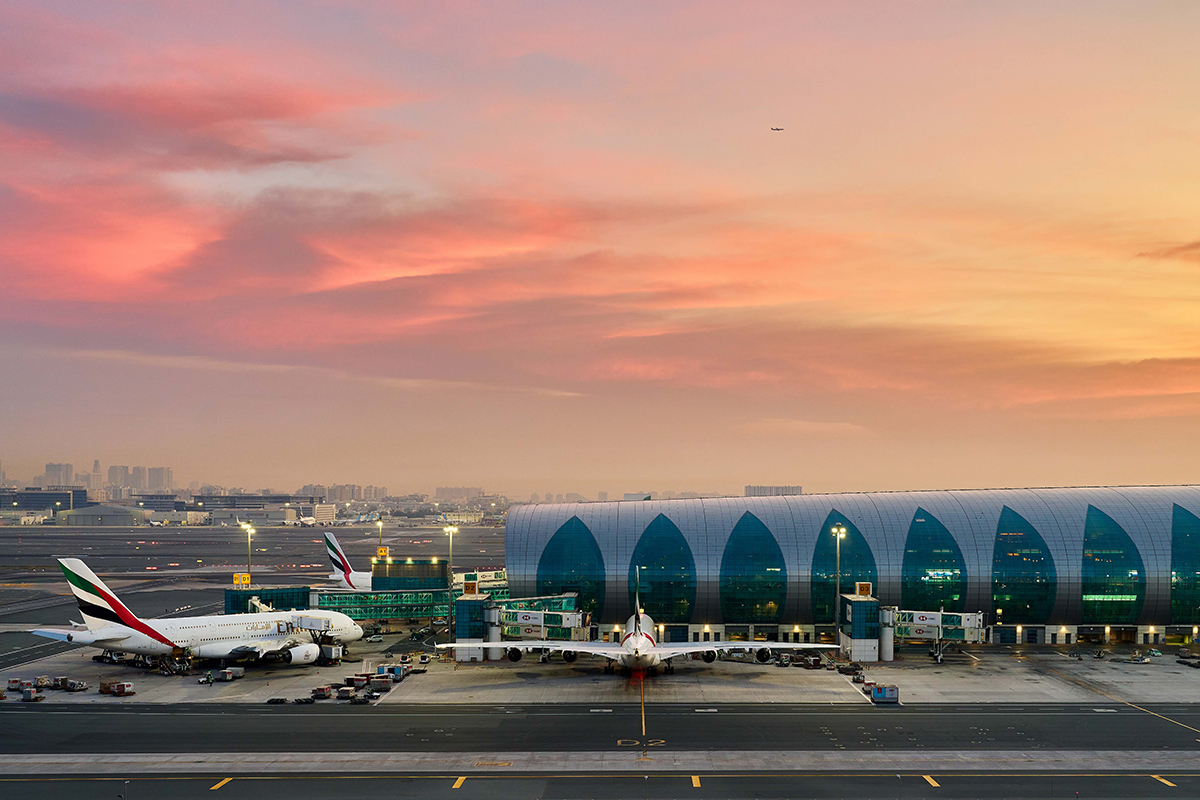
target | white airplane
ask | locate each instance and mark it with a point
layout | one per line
(639, 650)
(301, 522)
(345, 576)
(109, 625)
(156, 523)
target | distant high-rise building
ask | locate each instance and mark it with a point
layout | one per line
(118, 475)
(60, 474)
(549, 497)
(558, 498)
(160, 479)
(314, 489)
(137, 478)
(533, 498)
(457, 492)
(772, 491)
(574, 497)
(602, 497)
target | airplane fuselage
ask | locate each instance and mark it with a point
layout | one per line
(639, 643)
(214, 637)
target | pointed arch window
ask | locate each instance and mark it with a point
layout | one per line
(857, 562)
(753, 575)
(934, 573)
(1185, 567)
(1114, 578)
(1023, 575)
(667, 572)
(571, 562)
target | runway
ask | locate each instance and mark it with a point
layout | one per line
(906, 786)
(207, 728)
(589, 752)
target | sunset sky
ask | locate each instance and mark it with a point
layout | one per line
(553, 246)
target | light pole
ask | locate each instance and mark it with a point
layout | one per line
(380, 524)
(839, 533)
(249, 534)
(450, 531)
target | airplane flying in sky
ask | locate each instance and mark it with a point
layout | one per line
(776, 129)
(109, 625)
(639, 649)
(345, 576)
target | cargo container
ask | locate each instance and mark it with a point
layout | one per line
(322, 692)
(225, 675)
(43, 682)
(59, 682)
(76, 686)
(885, 694)
(381, 683)
(14, 684)
(122, 690)
(30, 695)
(331, 652)
(345, 692)
(238, 672)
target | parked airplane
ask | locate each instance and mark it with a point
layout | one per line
(109, 625)
(301, 522)
(342, 572)
(639, 649)
(156, 523)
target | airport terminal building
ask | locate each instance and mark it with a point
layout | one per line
(1045, 565)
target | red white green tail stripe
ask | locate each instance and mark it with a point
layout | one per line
(97, 602)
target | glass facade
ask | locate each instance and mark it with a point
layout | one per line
(667, 572)
(1023, 576)
(858, 564)
(1114, 580)
(571, 562)
(934, 573)
(753, 575)
(1082, 556)
(387, 605)
(1185, 566)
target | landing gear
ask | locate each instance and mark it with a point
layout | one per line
(669, 668)
(652, 670)
(608, 668)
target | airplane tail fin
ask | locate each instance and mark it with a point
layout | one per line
(637, 595)
(341, 564)
(97, 603)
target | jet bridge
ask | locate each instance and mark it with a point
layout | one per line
(941, 627)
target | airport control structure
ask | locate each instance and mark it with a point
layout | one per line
(1055, 566)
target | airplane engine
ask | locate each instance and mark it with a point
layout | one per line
(514, 655)
(762, 655)
(709, 656)
(569, 656)
(302, 654)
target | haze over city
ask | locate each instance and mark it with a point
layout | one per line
(558, 247)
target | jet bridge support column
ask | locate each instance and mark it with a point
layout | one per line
(887, 633)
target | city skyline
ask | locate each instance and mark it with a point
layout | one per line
(539, 247)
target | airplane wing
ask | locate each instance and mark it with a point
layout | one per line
(685, 648)
(266, 647)
(78, 637)
(605, 649)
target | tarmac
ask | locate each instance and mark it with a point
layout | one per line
(991, 675)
